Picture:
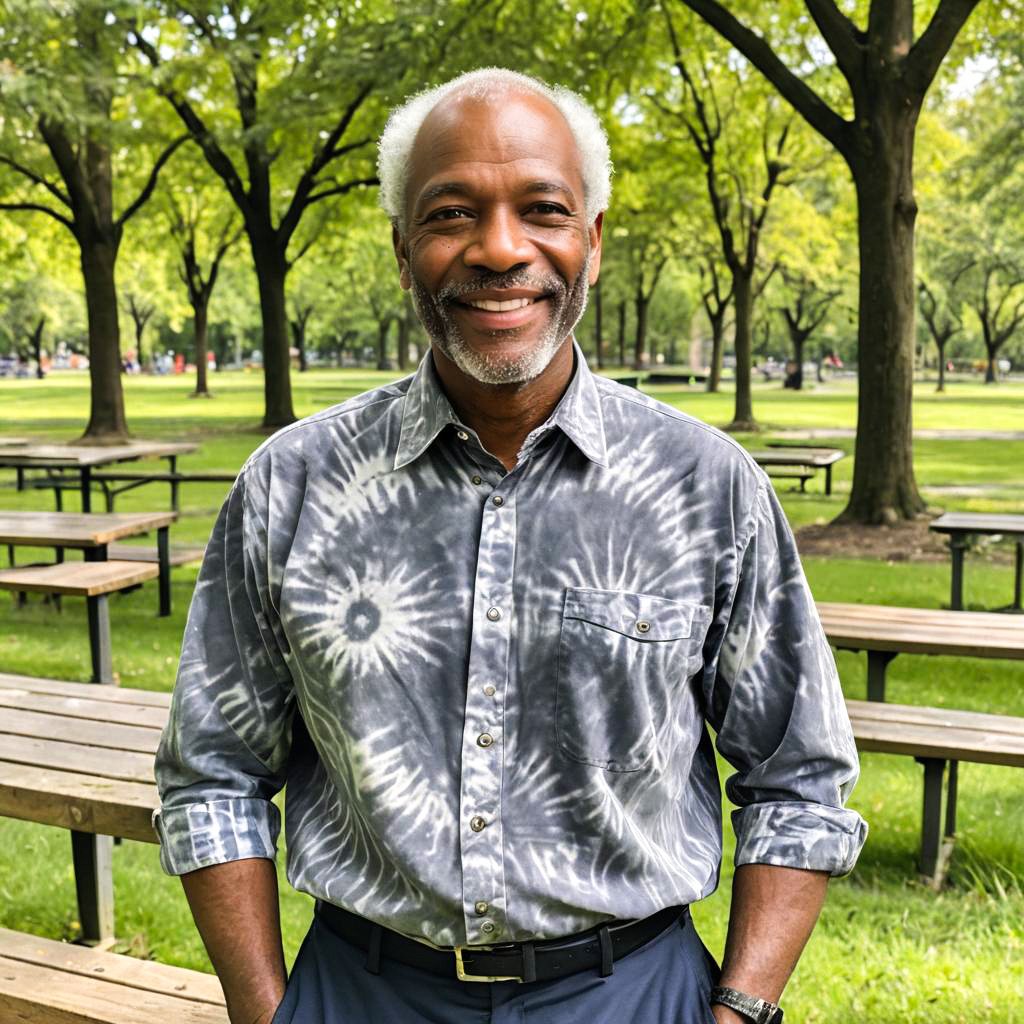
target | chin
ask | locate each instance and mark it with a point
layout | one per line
(496, 369)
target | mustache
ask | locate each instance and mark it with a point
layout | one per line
(549, 284)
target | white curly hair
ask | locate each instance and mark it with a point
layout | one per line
(394, 149)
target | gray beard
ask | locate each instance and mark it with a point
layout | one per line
(568, 303)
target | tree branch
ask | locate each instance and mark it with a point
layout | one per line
(843, 38)
(40, 208)
(154, 174)
(340, 190)
(808, 104)
(930, 50)
(37, 179)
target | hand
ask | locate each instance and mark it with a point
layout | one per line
(727, 1015)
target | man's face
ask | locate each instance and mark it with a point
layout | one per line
(496, 248)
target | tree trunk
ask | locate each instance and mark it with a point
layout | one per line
(798, 358)
(640, 303)
(598, 330)
(622, 332)
(107, 422)
(884, 489)
(743, 304)
(37, 346)
(990, 370)
(717, 338)
(383, 327)
(200, 321)
(271, 272)
(941, 346)
(298, 326)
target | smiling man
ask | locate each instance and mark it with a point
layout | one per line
(480, 622)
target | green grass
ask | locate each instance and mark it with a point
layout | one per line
(886, 949)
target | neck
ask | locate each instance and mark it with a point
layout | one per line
(503, 414)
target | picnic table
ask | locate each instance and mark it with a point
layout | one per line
(808, 458)
(80, 757)
(961, 527)
(885, 631)
(58, 459)
(91, 533)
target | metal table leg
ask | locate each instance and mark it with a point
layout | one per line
(937, 839)
(86, 477)
(957, 546)
(1017, 579)
(828, 480)
(878, 662)
(99, 639)
(163, 554)
(92, 856)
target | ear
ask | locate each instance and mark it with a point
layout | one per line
(594, 231)
(402, 255)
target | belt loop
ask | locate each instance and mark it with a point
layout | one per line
(373, 949)
(607, 961)
(529, 962)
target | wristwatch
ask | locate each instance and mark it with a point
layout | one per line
(760, 1011)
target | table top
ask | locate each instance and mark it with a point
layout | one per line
(977, 522)
(873, 627)
(74, 456)
(76, 529)
(80, 755)
(798, 456)
(6, 440)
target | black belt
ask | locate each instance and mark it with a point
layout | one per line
(517, 961)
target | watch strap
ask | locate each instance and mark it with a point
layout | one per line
(760, 1011)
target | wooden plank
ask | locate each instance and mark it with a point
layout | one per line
(41, 995)
(122, 765)
(942, 617)
(78, 579)
(83, 707)
(74, 455)
(978, 522)
(937, 718)
(817, 457)
(147, 975)
(179, 554)
(78, 730)
(73, 529)
(954, 744)
(81, 802)
(70, 688)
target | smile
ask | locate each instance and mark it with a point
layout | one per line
(494, 306)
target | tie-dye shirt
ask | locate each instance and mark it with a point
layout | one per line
(489, 692)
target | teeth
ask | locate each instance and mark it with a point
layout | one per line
(499, 307)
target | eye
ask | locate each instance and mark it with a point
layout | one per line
(546, 209)
(447, 213)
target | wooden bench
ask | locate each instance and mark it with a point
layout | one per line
(80, 757)
(811, 459)
(675, 377)
(177, 554)
(91, 580)
(939, 738)
(48, 982)
(803, 475)
(961, 527)
(884, 631)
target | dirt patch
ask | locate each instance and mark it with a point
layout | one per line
(904, 542)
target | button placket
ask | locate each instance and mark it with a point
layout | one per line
(483, 872)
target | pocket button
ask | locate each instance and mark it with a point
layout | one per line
(643, 626)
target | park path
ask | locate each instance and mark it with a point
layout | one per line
(924, 434)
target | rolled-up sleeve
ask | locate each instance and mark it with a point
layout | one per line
(778, 710)
(223, 753)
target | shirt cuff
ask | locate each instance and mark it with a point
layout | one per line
(198, 835)
(814, 837)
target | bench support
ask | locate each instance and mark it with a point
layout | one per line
(94, 885)
(878, 662)
(958, 544)
(1018, 578)
(937, 838)
(99, 639)
(163, 558)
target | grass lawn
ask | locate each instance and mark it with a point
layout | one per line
(886, 949)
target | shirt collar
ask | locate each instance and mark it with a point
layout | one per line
(427, 412)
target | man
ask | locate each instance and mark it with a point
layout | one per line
(477, 621)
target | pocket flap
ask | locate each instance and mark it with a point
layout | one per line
(639, 616)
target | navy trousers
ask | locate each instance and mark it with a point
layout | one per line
(667, 981)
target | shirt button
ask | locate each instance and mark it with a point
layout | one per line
(477, 824)
(462, 435)
(481, 907)
(487, 927)
(485, 739)
(478, 480)
(643, 627)
(498, 500)
(493, 614)
(489, 690)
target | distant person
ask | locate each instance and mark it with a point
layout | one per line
(479, 621)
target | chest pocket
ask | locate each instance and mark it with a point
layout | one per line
(620, 655)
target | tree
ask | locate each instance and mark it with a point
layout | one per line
(940, 308)
(141, 310)
(66, 111)
(996, 294)
(716, 300)
(888, 72)
(739, 208)
(804, 312)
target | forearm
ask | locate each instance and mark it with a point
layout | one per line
(773, 913)
(235, 906)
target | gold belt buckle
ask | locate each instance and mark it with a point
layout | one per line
(463, 976)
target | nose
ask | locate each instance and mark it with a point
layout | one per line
(499, 242)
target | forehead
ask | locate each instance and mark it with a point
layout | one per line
(501, 138)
